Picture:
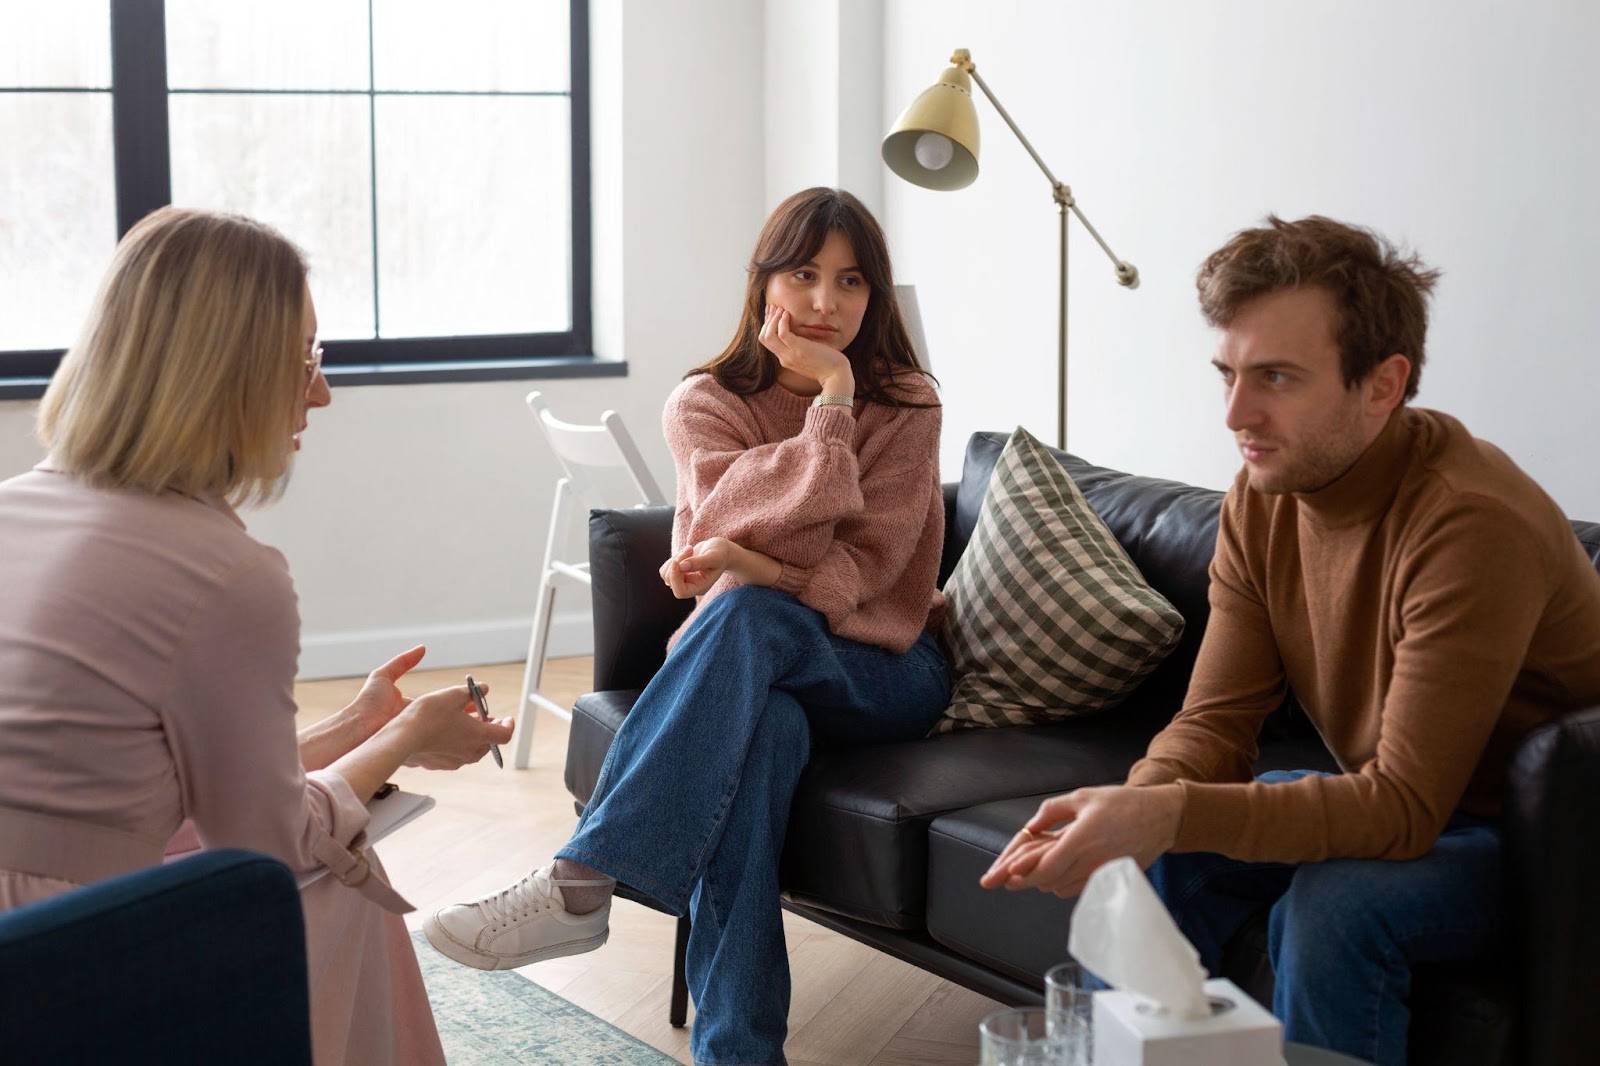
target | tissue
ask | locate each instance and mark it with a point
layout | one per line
(1121, 932)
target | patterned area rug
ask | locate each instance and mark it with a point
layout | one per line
(501, 1018)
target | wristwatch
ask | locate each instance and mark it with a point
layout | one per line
(828, 401)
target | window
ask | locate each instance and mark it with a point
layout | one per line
(432, 161)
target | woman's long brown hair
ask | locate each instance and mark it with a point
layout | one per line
(792, 237)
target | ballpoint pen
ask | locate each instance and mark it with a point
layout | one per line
(483, 713)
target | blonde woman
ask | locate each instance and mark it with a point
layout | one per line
(148, 644)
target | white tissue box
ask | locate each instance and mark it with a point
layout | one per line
(1127, 1032)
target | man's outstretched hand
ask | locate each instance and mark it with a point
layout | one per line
(1073, 834)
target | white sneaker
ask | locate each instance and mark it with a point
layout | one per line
(527, 922)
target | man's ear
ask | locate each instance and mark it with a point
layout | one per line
(1386, 385)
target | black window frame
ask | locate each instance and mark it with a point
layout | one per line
(143, 179)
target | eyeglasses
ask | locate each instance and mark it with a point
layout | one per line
(313, 365)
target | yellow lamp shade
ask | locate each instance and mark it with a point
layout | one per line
(934, 142)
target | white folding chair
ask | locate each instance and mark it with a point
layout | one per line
(582, 451)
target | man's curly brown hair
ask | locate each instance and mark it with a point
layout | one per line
(1380, 292)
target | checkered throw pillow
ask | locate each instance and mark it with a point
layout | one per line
(1048, 616)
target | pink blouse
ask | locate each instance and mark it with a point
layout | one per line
(148, 651)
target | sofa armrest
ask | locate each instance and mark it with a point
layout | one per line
(1553, 880)
(201, 960)
(634, 612)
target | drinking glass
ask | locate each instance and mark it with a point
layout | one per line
(1068, 998)
(1017, 1038)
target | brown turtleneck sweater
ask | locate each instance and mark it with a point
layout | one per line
(1429, 608)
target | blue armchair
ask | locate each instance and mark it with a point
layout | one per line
(198, 961)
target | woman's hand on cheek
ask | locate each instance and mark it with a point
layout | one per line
(804, 356)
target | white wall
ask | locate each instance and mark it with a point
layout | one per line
(823, 96)
(1467, 129)
(418, 512)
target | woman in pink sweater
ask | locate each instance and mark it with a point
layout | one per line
(809, 525)
(148, 643)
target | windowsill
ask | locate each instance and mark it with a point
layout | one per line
(554, 366)
(22, 388)
(413, 373)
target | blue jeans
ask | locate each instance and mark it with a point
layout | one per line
(693, 799)
(1343, 934)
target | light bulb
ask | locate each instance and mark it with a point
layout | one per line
(934, 151)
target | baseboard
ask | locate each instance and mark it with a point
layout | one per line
(352, 653)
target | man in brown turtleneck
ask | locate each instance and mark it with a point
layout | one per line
(1426, 602)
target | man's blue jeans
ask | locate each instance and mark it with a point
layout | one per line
(1344, 934)
(693, 798)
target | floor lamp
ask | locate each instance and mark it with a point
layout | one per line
(934, 144)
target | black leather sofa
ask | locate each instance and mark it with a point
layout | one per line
(886, 844)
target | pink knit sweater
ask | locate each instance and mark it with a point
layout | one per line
(848, 501)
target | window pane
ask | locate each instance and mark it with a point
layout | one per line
(58, 214)
(288, 44)
(301, 163)
(518, 46)
(473, 210)
(63, 44)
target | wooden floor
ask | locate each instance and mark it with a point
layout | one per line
(851, 1005)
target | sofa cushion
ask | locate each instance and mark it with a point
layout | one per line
(1048, 616)
(1022, 934)
(858, 831)
(858, 840)
(596, 717)
(858, 835)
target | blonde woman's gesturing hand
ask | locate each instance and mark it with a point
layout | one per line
(447, 733)
(436, 731)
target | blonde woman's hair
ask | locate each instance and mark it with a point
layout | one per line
(189, 371)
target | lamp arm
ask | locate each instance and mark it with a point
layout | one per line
(1127, 273)
(972, 70)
